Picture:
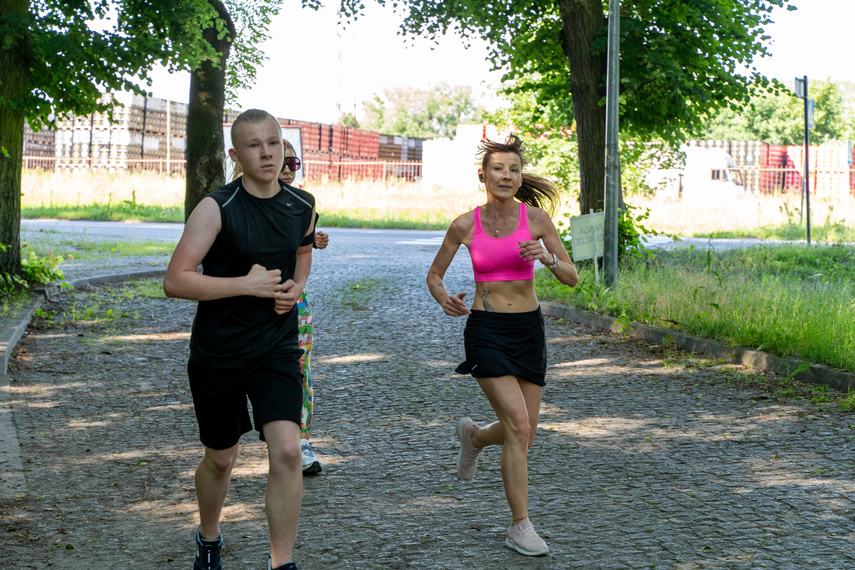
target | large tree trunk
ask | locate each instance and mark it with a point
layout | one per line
(581, 21)
(14, 61)
(205, 154)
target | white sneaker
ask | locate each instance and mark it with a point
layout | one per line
(467, 457)
(311, 464)
(523, 538)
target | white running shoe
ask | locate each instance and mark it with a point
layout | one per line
(311, 464)
(523, 538)
(467, 458)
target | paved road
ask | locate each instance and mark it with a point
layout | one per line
(171, 232)
(642, 459)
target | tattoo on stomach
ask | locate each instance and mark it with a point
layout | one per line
(484, 300)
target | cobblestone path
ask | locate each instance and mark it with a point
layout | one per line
(643, 459)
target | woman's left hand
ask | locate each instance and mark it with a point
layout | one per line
(321, 240)
(534, 251)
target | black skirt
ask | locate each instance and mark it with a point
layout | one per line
(502, 344)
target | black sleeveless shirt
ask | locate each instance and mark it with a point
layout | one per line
(238, 331)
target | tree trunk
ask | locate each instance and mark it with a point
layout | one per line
(205, 153)
(14, 61)
(581, 21)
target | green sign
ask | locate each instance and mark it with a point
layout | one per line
(586, 233)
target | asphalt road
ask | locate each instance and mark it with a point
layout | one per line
(171, 232)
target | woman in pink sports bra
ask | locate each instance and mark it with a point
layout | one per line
(505, 338)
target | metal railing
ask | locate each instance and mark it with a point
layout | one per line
(65, 163)
(335, 171)
(767, 180)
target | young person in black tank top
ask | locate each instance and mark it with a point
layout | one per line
(253, 238)
(311, 464)
(504, 336)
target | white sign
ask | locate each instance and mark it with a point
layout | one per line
(586, 233)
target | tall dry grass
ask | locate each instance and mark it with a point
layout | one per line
(51, 188)
(705, 215)
(418, 201)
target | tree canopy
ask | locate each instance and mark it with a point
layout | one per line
(58, 56)
(680, 60)
(778, 117)
(423, 113)
(78, 49)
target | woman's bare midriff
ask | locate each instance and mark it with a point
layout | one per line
(505, 296)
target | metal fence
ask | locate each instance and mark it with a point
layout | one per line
(110, 164)
(822, 181)
(335, 171)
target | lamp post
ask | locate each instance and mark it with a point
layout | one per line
(802, 93)
(612, 178)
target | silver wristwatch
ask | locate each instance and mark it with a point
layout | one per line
(554, 262)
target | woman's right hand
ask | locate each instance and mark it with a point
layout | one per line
(454, 306)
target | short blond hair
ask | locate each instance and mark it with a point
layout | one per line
(252, 116)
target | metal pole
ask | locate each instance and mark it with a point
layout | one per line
(612, 178)
(807, 159)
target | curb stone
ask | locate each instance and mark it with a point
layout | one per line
(12, 481)
(11, 466)
(814, 373)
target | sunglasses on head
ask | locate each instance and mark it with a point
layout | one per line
(292, 162)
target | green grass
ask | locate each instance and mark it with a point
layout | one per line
(145, 289)
(374, 220)
(84, 249)
(825, 232)
(119, 212)
(793, 301)
(128, 211)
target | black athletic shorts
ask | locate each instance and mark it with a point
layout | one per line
(503, 344)
(274, 386)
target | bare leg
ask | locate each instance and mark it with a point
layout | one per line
(212, 484)
(517, 405)
(284, 488)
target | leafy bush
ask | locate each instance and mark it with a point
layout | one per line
(40, 269)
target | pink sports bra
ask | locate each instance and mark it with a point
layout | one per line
(498, 259)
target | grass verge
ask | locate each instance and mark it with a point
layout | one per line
(832, 232)
(125, 211)
(89, 249)
(792, 301)
(129, 212)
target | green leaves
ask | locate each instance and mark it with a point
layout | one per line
(422, 113)
(777, 116)
(78, 50)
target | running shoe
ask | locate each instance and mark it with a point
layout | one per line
(523, 538)
(467, 458)
(311, 464)
(286, 566)
(208, 553)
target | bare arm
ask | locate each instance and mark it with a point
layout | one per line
(545, 230)
(183, 281)
(453, 305)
